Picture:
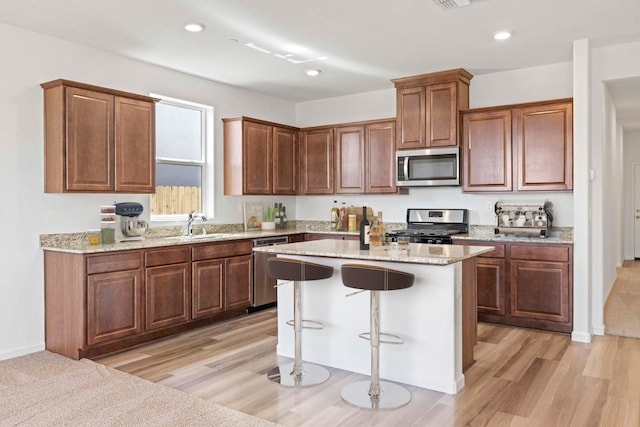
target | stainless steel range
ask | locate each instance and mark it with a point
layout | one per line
(435, 226)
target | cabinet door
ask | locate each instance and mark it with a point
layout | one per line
(237, 282)
(113, 306)
(544, 147)
(491, 282)
(380, 158)
(90, 140)
(316, 159)
(285, 161)
(411, 115)
(208, 280)
(540, 290)
(167, 295)
(257, 157)
(350, 159)
(135, 165)
(486, 151)
(442, 115)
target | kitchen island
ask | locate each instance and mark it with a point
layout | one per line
(436, 317)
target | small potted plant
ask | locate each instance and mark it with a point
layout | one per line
(269, 218)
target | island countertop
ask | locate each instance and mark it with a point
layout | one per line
(350, 249)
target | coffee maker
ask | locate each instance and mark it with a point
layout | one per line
(128, 226)
(526, 218)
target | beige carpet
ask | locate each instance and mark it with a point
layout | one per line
(622, 309)
(44, 389)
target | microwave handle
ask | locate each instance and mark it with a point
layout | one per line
(405, 166)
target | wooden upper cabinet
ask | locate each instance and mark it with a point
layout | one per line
(442, 115)
(411, 114)
(544, 146)
(90, 140)
(257, 166)
(259, 157)
(520, 147)
(285, 161)
(350, 159)
(486, 151)
(317, 161)
(380, 157)
(427, 108)
(135, 140)
(98, 139)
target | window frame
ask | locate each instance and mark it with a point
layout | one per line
(206, 163)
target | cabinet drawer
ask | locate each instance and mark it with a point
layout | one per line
(113, 262)
(540, 252)
(221, 250)
(167, 256)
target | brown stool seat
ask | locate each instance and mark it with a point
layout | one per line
(375, 278)
(297, 374)
(375, 394)
(297, 270)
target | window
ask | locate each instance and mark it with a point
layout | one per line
(184, 160)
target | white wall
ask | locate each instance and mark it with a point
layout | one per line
(608, 63)
(631, 157)
(532, 84)
(30, 59)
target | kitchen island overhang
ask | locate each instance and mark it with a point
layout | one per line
(435, 317)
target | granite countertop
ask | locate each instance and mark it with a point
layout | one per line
(556, 235)
(350, 249)
(76, 242)
(167, 236)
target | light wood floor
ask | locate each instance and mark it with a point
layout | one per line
(521, 378)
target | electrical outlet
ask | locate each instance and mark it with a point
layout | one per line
(490, 206)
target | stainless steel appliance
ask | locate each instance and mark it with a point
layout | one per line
(128, 224)
(435, 226)
(264, 291)
(429, 167)
(530, 218)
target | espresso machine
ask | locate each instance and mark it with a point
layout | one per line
(129, 227)
(525, 218)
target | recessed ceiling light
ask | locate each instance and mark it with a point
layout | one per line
(194, 27)
(313, 73)
(502, 35)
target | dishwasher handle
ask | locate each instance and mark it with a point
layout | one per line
(270, 241)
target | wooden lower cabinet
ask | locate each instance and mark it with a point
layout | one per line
(113, 306)
(167, 296)
(208, 282)
(100, 303)
(238, 282)
(527, 285)
(491, 277)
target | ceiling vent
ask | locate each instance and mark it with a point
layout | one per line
(452, 4)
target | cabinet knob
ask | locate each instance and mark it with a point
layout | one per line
(637, 217)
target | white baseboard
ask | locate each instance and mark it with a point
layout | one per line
(580, 337)
(21, 351)
(598, 330)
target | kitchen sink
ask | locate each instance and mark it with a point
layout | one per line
(209, 236)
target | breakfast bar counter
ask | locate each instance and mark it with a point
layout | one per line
(436, 317)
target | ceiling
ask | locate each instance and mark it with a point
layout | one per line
(363, 43)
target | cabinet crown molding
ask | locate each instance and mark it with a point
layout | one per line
(457, 74)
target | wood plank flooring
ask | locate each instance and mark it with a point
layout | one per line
(521, 377)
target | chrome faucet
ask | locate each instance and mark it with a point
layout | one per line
(193, 217)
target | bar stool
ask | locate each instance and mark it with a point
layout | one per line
(299, 271)
(375, 394)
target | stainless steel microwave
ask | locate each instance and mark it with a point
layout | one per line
(429, 167)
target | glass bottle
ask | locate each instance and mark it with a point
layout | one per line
(364, 231)
(335, 216)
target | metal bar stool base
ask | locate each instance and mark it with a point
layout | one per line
(392, 395)
(311, 375)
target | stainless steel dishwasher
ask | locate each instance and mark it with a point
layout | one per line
(264, 291)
